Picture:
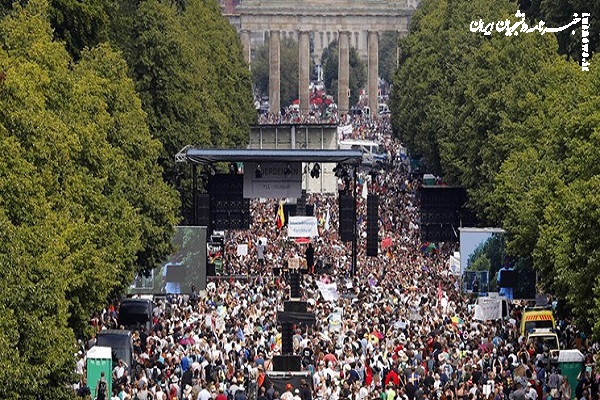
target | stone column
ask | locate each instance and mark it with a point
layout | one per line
(343, 73)
(245, 36)
(373, 42)
(274, 68)
(303, 70)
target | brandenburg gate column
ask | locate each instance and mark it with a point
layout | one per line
(373, 53)
(343, 73)
(274, 68)
(245, 36)
(303, 70)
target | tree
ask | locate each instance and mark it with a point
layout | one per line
(80, 24)
(187, 64)
(517, 125)
(134, 179)
(38, 343)
(455, 91)
(557, 13)
(388, 56)
(83, 203)
(358, 72)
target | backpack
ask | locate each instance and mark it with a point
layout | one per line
(101, 394)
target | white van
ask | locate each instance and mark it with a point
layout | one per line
(372, 152)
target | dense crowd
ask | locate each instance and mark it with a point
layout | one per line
(293, 116)
(405, 331)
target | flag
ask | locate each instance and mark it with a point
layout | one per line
(327, 223)
(280, 219)
(440, 293)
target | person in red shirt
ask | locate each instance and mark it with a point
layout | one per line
(221, 395)
(392, 377)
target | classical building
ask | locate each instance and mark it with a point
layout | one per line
(315, 24)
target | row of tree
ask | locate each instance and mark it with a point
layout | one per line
(96, 97)
(516, 122)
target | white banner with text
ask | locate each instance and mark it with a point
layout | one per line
(302, 227)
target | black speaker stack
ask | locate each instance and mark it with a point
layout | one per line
(203, 209)
(301, 204)
(372, 225)
(346, 217)
(443, 211)
(228, 208)
(294, 312)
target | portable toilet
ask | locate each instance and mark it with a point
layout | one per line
(571, 365)
(428, 180)
(99, 359)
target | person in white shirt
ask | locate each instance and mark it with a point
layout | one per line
(80, 366)
(363, 393)
(119, 370)
(288, 395)
(204, 394)
(530, 392)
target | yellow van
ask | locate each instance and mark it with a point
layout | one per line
(536, 318)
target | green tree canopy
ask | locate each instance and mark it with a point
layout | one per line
(557, 13)
(517, 125)
(83, 205)
(388, 55)
(187, 64)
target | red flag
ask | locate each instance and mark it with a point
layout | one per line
(440, 293)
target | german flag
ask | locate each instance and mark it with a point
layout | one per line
(280, 218)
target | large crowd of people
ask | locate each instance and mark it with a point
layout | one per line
(396, 327)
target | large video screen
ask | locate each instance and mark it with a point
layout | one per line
(182, 269)
(485, 266)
